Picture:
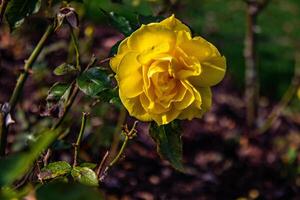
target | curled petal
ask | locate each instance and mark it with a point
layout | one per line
(212, 72)
(122, 49)
(174, 24)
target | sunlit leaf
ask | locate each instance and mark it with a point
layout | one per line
(85, 176)
(57, 91)
(88, 165)
(64, 69)
(55, 169)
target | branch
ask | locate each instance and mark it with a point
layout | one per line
(254, 7)
(21, 82)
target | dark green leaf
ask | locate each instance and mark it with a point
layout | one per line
(64, 69)
(55, 169)
(17, 10)
(93, 81)
(119, 22)
(67, 191)
(145, 19)
(110, 96)
(168, 141)
(85, 176)
(114, 49)
(15, 166)
(58, 91)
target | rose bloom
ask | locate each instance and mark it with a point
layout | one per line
(164, 73)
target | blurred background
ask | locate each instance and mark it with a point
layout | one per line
(222, 160)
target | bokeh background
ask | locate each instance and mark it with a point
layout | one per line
(222, 160)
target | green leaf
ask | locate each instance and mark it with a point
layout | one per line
(93, 81)
(17, 10)
(15, 166)
(169, 144)
(64, 69)
(146, 19)
(67, 191)
(88, 165)
(119, 22)
(114, 49)
(59, 91)
(110, 96)
(55, 169)
(85, 176)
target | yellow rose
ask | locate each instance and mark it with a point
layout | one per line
(164, 73)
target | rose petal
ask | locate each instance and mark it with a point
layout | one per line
(212, 72)
(150, 37)
(174, 24)
(134, 107)
(129, 76)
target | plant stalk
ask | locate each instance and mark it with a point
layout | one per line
(251, 79)
(28, 66)
(79, 138)
(20, 84)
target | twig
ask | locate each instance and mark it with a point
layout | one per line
(79, 138)
(129, 134)
(46, 157)
(254, 7)
(287, 97)
(103, 161)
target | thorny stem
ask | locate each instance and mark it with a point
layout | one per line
(2, 9)
(254, 7)
(28, 65)
(21, 82)
(79, 138)
(287, 97)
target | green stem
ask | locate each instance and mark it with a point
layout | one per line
(120, 152)
(28, 66)
(77, 144)
(76, 47)
(20, 84)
